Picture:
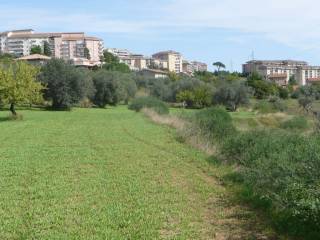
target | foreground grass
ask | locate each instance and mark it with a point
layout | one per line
(111, 174)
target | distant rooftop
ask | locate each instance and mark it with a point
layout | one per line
(166, 52)
(34, 57)
(288, 61)
(29, 33)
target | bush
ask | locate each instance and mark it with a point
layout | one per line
(215, 123)
(299, 123)
(283, 93)
(149, 102)
(264, 106)
(270, 106)
(281, 169)
(197, 98)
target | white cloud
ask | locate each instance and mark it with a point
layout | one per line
(44, 19)
(292, 22)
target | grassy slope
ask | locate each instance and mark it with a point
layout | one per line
(109, 174)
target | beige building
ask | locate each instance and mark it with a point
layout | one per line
(280, 71)
(35, 59)
(136, 62)
(154, 73)
(191, 67)
(171, 58)
(68, 46)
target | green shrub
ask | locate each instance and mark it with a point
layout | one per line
(264, 106)
(270, 106)
(149, 102)
(295, 123)
(282, 169)
(216, 123)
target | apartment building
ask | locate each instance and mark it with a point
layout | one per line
(280, 71)
(68, 46)
(172, 59)
(193, 66)
(136, 62)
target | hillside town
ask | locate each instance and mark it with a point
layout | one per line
(83, 50)
(135, 125)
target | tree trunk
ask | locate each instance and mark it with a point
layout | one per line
(13, 109)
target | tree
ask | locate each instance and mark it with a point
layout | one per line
(173, 76)
(219, 65)
(232, 95)
(117, 67)
(18, 85)
(112, 63)
(292, 81)
(46, 49)
(66, 85)
(36, 50)
(107, 88)
(186, 97)
(262, 88)
(306, 103)
(197, 98)
(87, 53)
(109, 57)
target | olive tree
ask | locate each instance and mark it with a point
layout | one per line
(232, 95)
(66, 85)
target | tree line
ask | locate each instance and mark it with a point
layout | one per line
(63, 86)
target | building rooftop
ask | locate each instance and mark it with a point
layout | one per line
(34, 57)
(166, 52)
(287, 61)
(155, 71)
(317, 79)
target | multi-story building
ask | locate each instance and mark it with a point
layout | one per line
(68, 46)
(136, 62)
(157, 64)
(280, 71)
(194, 66)
(120, 53)
(172, 58)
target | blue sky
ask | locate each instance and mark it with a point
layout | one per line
(204, 30)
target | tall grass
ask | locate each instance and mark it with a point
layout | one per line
(279, 169)
(149, 102)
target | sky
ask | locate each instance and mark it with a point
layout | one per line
(230, 31)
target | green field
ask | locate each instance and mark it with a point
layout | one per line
(110, 174)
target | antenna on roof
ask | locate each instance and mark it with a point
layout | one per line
(252, 55)
(231, 66)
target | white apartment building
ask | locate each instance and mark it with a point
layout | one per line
(194, 66)
(68, 46)
(172, 58)
(280, 71)
(120, 53)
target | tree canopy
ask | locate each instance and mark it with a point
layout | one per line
(66, 85)
(36, 50)
(219, 65)
(18, 84)
(46, 49)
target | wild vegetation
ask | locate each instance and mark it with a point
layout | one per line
(268, 135)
